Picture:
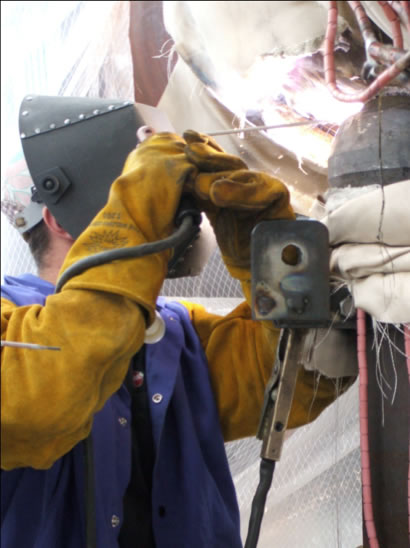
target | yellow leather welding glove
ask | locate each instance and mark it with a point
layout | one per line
(234, 199)
(141, 208)
(208, 155)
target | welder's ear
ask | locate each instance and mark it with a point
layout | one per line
(204, 152)
(54, 226)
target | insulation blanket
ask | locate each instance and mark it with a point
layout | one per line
(370, 239)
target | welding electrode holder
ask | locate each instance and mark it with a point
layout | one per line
(291, 287)
(278, 400)
(280, 391)
(294, 294)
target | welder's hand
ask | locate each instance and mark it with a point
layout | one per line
(204, 152)
(234, 199)
(141, 208)
(151, 183)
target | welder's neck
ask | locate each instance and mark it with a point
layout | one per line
(54, 259)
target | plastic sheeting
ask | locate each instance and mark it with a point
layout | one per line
(81, 48)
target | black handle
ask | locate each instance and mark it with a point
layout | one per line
(186, 207)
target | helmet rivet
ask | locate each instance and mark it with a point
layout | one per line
(81, 116)
(22, 135)
(29, 98)
(20, 222)
(96, 111)
(52, 126)
(37, 130)
(24, 113)
(111, 107)
(67, 121)
(50, 185)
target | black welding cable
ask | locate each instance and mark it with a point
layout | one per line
(266, 469)
(187, 222)
(126, 252)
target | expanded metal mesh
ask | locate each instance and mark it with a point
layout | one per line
(15, 256)
(214, 281)
(315, 500)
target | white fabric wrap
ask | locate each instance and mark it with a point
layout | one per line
(370, 239)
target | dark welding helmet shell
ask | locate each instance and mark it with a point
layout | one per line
(75, 148)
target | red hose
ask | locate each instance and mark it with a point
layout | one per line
(394, 19)
(407, 351)
(329, 64)
(403, 8)
(403, 11)
(364, 431)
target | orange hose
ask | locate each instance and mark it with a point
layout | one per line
(406, 7)
(329, 65)
(364, 431)
(407, 351)
(395, 21)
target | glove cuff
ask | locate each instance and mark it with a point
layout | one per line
(139, 280)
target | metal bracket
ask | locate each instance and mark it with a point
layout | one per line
(290, 273)
(52, 184)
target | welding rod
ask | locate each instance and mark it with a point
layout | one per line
(261, 128)
(31, 346)
(146, 131)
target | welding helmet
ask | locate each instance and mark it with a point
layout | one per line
(75, 147)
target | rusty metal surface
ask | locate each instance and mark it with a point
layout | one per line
(290, 273)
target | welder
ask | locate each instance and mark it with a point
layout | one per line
(155, 411)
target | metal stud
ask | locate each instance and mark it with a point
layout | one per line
(37, 130)
(22, 136)
(67, 121)
(96, 111)
(24, 113)
(20, 222)
(111, 107)
(52, 126)
(81, 116)
(29, 98)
